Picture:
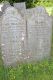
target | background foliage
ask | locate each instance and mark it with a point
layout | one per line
(48, 4)
(32, 3)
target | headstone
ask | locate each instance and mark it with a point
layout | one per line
(21, 7)
(25, 34)
(13, 36)
(5, 5)
(39, 33)
(0, 26)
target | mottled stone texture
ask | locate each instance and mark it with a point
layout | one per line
(5, 5)
(25, 34)
(13, 35)
(39, 27)
(0, 26)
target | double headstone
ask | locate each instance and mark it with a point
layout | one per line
(25, 34)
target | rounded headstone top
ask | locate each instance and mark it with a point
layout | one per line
(40, 9)
(11, 14)
(11, 10)
(5, 5)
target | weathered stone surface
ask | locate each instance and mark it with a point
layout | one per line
(13, 36)
(5, 5)
(39, 33)
(25, 34)
(21, 7)
(0, 13)
(0, 26)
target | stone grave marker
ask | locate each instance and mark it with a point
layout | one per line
(13, 36)
(0, 26)
(25, 34)
(39, 27)
(21, 7)
(5, 5)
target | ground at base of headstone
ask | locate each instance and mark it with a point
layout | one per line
(39, 71)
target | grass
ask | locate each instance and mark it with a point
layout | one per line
(40, 71)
